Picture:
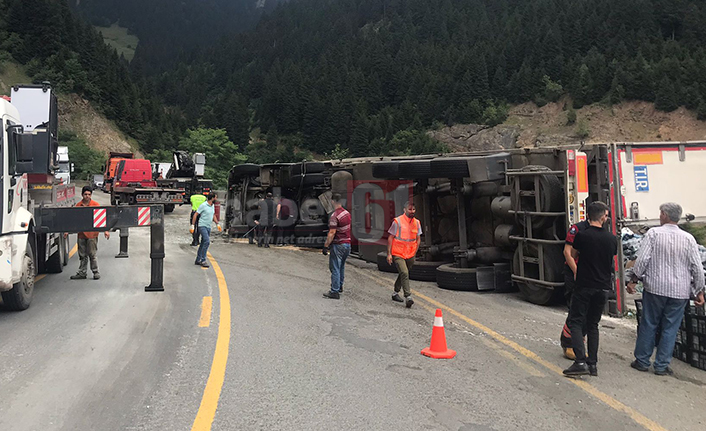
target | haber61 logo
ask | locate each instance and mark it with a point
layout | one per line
(373, 205)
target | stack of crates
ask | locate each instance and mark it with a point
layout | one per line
(690, 346)
(696, 335)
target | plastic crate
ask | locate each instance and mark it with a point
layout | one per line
(697, 343)
(696, 324)
(681, 352)
(698, 360)
(682, 336)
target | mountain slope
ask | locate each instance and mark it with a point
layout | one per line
(168, 29)
(356, 72)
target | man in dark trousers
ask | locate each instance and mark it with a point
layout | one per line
(284, 209)
(570, 283)
(596, 247)
(339, 239)
(266, 220)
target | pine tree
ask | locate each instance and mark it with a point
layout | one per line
(666, 99)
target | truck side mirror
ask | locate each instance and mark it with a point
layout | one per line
(72, 168)
(22, 147)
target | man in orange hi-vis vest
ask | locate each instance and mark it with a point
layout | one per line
(402, 245)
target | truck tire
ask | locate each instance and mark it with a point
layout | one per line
(246, 169)
(20, 296)
(450, 167)
(386, 170)
(551, 196)
(307, 168)
(55, 263)
(312, 229)
(414, 169)
(383, 265)
(168, 208)
(553, 271)
(423, 270)
(311, 241)
(450, 277)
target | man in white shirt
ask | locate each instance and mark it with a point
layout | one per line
(669, 265)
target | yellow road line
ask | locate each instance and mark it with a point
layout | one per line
(592, 390)
(39, 277)
(638, 417)
(73, 251)
(504, 353)
(212, 392)
(206, 305)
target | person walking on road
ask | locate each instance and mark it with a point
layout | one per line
(669, 265)
(596, 247)
(266, 221)
(339, 241)
(196, 200)
(87, 241)
(402, 245)
(206, 214)
(570, 283)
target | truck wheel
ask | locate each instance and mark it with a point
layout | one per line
(553, 271)
(312, 229)
(450, 277)
(249, 169)
(424, 270)
(383, 265)
(20, 296)
(414, 169)
(550, 199)
(55, 264)
(168, 208)
(450, 167)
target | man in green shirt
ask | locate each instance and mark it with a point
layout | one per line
(196, 200)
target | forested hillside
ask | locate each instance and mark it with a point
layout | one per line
(169, 29)
(357, 72)
(54, 46)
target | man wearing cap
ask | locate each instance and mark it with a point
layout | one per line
(402, 244)
(87, 241)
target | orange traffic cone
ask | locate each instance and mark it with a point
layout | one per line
(437, 349)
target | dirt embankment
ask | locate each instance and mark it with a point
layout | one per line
(80, 117)
(529, 126)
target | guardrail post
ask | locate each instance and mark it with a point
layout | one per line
(124, 233)
(156, 249)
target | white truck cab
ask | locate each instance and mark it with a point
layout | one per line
(28, 165)
(17, 267)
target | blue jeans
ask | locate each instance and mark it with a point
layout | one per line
(205, 233)
(658, 309)
(337, 264)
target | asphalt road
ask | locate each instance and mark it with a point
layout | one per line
(105, 355)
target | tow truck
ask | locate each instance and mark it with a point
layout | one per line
(187, 174)
(133, 184)
(28, 165)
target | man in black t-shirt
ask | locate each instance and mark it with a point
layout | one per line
(569, 283)
(596, 247)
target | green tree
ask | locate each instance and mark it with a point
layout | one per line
(666, 99)
(221, 153)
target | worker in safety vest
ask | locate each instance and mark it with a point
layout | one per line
(402, 244)
(196, 200)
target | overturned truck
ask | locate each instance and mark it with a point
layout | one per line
(491, 221)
